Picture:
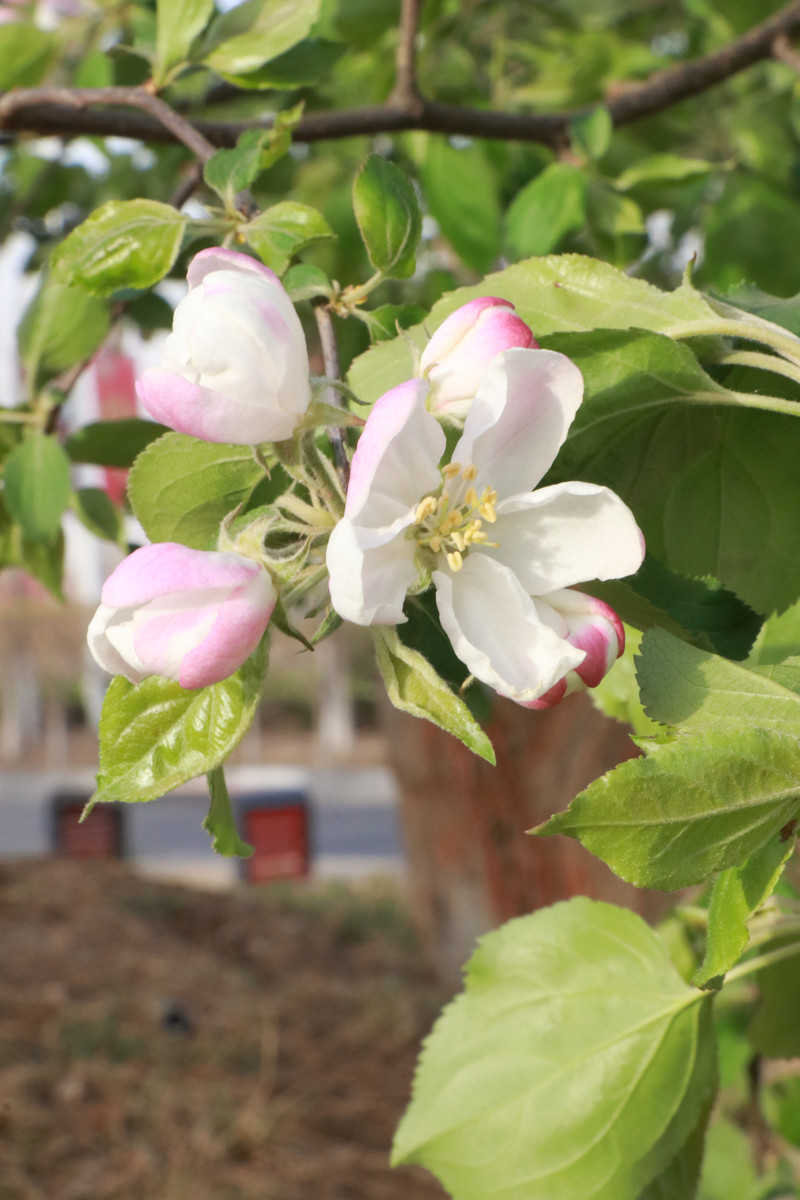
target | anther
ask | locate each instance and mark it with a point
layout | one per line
(454, 560)
(451, 470)
(469, 473)
(425, 508)
(471, 498)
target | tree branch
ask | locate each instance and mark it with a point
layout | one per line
(330, 356)
(405, 93)
(76, 102)
(67, 112)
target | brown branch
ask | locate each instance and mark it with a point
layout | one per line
(405, 93)
(330, 356)
(79, 100)
(64, 111)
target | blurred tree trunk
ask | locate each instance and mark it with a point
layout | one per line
(471, 864)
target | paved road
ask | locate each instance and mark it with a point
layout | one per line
(352, 812)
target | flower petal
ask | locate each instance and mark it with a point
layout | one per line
(565, 534)
(110, 638)
(217, 259)
(396, 462)
(370, 571)
(458, 355)
(519, 419)
(496, 631)
(168, 567)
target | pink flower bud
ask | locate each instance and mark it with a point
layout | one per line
(589, 625)
(235, 367)
(191, 615)
(456, 358)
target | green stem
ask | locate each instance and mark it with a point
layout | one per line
(762, 362)
(767, 335)
(754, 965)
(27, 418)
(350, 297)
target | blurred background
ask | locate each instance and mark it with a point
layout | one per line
(181, 1026)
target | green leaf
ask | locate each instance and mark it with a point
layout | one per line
(181, 489)
(179, 22)
(43, 560)
(590, 132)
(303, 282)
(561, 293)
(414, 687)
(461, 189)
(124, 244)
(231, 171)
(778, 639)
(650, 428)
(737, 895)
(303, 65)
(156, 735)
(112, 443)
(25, 54)
(388, 216)
(693, 807)
(278, 233)
(61, 326)
(546, 210)
(37, 486)
(785, 313)
(775, 1027)
(661, 168)
(711, 616)
(261, 30)
(575, 1064)
(740, 240)
(682, 685)
(220, 823)
(100, 516)
(383, 322)
(678, 1180)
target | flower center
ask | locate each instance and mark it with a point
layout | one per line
(452, 522)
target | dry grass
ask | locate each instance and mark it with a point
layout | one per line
(162, 1044)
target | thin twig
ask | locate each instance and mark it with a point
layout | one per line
(330, 355)
(57, 111)
(405, 93)
(187, 186)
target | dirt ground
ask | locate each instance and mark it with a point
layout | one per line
(158, 1043)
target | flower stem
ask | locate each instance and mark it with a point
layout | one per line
(762, 362)
(753, 965)
(330, 354)
(766, 334)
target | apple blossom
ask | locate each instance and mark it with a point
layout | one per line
(456, 358)
(235, 367)
(500, 556)
(191, 615)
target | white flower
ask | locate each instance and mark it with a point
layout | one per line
(457, 357)
(235, 367)
(191, 615)
(499, 555)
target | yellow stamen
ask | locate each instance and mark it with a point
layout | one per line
(425, 508)
(451, 470)
(469, 473)
(454, 560)
(471, 498)
(435, 543)
(488, 512)
(458, 540)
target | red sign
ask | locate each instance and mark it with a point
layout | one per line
(99, 836)
(279, 837)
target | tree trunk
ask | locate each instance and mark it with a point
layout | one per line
(471, 864)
